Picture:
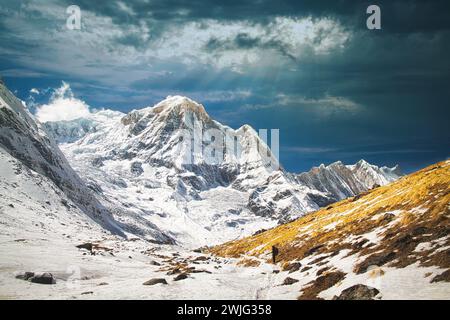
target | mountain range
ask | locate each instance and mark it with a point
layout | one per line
(141, 168)
(165, 196)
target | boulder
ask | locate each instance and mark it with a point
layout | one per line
(288, 281)
(154, 263)
(358, 292)
(201, 258)
(293, 267)
(88, 246)
(154, 281)
(44, 278)
(181, 276)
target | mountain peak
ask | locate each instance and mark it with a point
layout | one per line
(180, 104)
(363, 162)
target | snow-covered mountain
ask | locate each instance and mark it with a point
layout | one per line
(23, 139)
(342, 181)
(71, 131)
(135, 185)
(199, 181)
(24, 142)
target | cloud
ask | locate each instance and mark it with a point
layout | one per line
(63, 106)
(323, 106)
(21, 73)
(313, 150)
(242, 42)
(34, 91)
(114, 52)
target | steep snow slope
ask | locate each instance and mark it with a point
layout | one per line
(146, 164)
(41, 237)
(394, 238)
(71, 131)
(23, 138)
(40, 228)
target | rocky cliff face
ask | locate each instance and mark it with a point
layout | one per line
(341, 181)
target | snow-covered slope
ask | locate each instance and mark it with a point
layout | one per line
(392, 242)
(24, 139)
(73, 130)
(171, 165)
(135, 181)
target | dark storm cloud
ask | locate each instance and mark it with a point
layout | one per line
(398, 16)
(245, 41)
(386, 88)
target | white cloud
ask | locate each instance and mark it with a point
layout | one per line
(323, 106)
(34, 91)
(62, 106)
(311, 150)
(126, 8)
(282, 36)
(121, 54)
(326, 104)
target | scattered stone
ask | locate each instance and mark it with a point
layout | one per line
(386, 218)
(293, 267)
(181, 276)
(130, 257)
(154, 281)
(11, 205)
(259, 232)
(288, 281)
(173, 271)
(306, 268)
(44, 278)
(200, 271)
(201, 258)
(88, 246)
(154, 263)
(313, 250)
(103, 284)
(87, 292)
(445, 276)
(320, 284)
(320, 271)
(276, 271)
(358, 292)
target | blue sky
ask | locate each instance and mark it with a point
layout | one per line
(336, 90)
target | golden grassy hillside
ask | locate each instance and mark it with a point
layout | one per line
(383, 226)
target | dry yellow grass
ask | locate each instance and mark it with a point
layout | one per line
(416, 204)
